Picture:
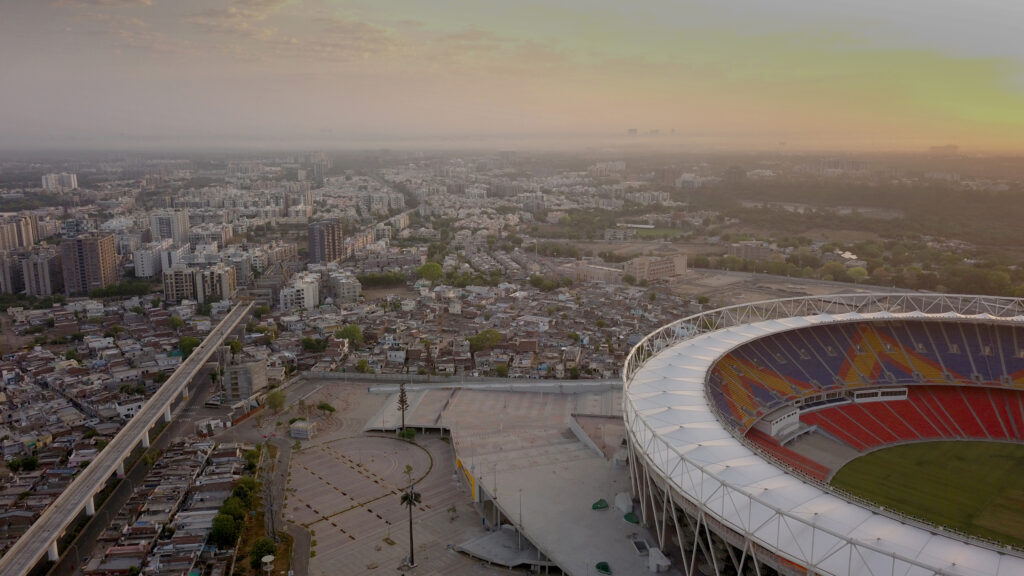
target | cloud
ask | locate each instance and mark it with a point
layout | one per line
(135, 34)
(244, 31)
(103, 3)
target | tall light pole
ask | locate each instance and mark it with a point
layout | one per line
(520, 531)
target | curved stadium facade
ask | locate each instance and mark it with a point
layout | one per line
(712, 400)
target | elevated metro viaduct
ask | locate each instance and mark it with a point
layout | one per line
(43, 535)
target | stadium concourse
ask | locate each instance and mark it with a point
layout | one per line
(736, 417)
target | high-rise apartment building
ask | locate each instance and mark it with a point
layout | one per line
(89, 262)
(179, 283)
(303, 293)
(148, 259)
(171, 224)
(210, 284)
(18, 232)
(60, 182)
(326, 241)
(12, 276)
(42, 273)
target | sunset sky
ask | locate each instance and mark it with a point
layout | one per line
(748, 74)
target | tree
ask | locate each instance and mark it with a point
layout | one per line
(501, 370)
(275, 400)
(260, 548)
(176, 323)
(235, 346)
(245, 491)
(224, 533)
(260, 311)
(487, 339)
(325, 407)
(363, 366)
(235, 508)
(410, 498)
(187, 344)
(26, 463)
(403, 403)
(310, 344)
(351, 332)
(431, 271)
(857, 274)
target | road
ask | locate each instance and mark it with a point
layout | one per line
(42, 536)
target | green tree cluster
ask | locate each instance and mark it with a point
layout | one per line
(351, 332)
(381, 279)
(122, 290)
(430, 271)
(311, 344)
(545, 284)
(260, 548)
(487, 339)
(20, 463)
(187, 344)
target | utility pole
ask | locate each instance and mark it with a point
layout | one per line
(520, 531)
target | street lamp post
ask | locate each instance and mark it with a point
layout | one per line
(520, 531)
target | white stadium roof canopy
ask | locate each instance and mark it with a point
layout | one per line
(669, 416)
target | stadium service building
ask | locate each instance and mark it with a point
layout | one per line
(706, 414)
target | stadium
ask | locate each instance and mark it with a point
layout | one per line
(738, 418)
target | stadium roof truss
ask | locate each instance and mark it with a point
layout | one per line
(683, 457)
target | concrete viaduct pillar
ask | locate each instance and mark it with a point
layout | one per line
(51, 553)
(145, 439)
(90, 506)
(120, 469)
(167, 414)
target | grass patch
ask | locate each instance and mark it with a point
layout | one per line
(974, 487)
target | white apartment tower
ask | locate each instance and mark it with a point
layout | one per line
(171, 224)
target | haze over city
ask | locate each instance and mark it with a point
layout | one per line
(793, 74)
(491, 287)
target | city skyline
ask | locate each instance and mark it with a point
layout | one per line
(271, 73)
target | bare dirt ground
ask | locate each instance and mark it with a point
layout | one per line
(372, 294)
(9, 341)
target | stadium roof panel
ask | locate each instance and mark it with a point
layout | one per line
(806, 523)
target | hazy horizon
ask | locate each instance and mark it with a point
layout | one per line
(792, 75)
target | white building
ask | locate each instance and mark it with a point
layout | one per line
(242, 381)
(346, 287)
(127, 411)
(211, 284)
(60, 182)
(148, 259)
(302, 293)
(171, 224)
